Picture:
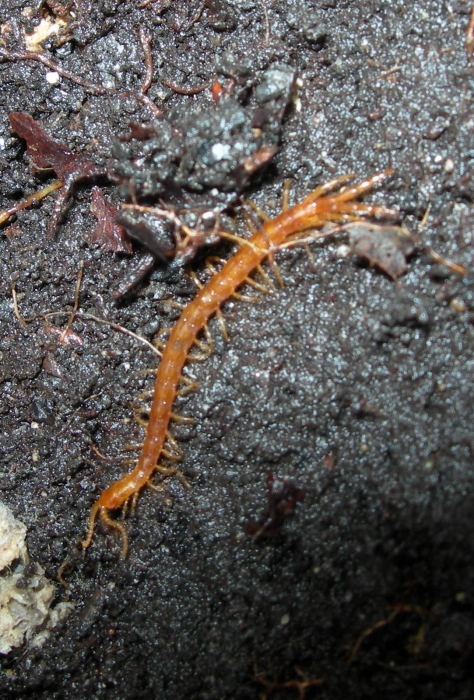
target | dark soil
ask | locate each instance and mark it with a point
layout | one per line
(355, 389)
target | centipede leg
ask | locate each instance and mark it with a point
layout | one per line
(260, 213)
(161, 344)
(190, 385)
(271, 260)
(173, 443)
(90, 529)
(220, 318)
(245, 297)
(206, 347)
(181, 419)
(105, 517)
(138, 414)
(285, 197)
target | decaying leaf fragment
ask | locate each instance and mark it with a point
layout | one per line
(107, 233)
(386, 247)
(46, 153)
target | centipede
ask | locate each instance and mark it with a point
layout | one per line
(334, 202)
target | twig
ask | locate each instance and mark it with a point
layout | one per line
(186, 91)
(267, 22)
(396, 610)
(104, 322)
(22, 321)
(76, 302)
(29, 200)
(89, 87)
(145, 41)
(80, 315)
(470, 34)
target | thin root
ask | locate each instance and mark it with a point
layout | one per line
(30, 200)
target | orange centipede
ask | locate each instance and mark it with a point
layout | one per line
(317, 209)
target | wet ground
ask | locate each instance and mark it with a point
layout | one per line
(345, 385)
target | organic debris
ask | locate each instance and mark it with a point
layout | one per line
(283, 496)
(385, 247)
(25, 594)
(107, 233)
(48, 154)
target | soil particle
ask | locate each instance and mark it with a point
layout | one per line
(354, 390)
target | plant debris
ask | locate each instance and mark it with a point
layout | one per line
(48, 154)
(386, 247)
(107, 233)
(283, 497)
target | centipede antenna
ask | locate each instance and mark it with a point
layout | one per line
(29, 200)
(326, 188)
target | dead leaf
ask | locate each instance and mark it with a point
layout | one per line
(107, 233)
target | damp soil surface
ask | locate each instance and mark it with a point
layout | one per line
(324, 545)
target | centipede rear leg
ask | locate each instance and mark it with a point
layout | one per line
(114, 525)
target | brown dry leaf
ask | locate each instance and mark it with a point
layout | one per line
(47, 153)
(43, 149)
(107, 233)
